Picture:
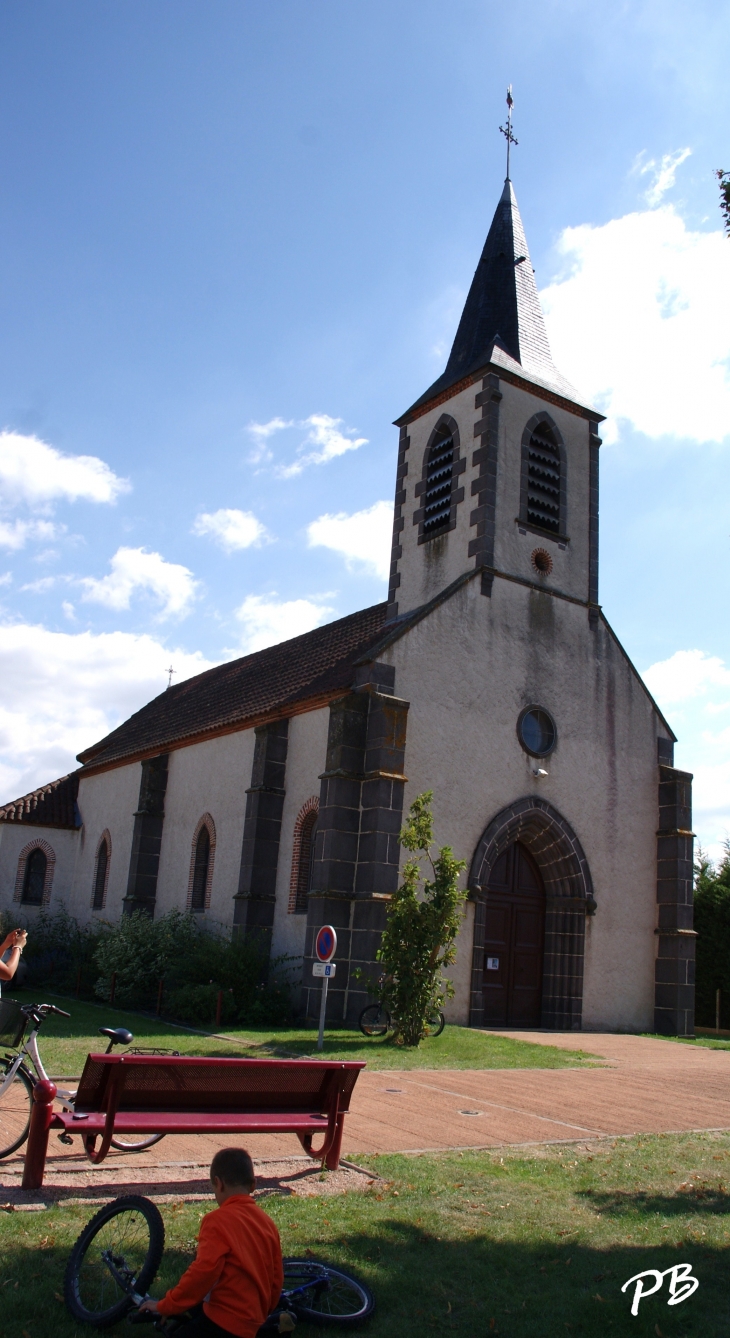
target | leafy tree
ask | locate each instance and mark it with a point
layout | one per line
(724, 179)
(712, 922)
(421, 928)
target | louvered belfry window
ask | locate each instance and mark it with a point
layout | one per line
(439, 475)
(543, 480)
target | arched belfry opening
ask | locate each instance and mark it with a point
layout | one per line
(532, 887)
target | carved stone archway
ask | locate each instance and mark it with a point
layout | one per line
(569, 890)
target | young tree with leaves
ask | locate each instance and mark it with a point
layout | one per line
(419, 939)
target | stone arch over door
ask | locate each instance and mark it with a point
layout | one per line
(569, 898)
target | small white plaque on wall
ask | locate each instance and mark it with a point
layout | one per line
(493, 964)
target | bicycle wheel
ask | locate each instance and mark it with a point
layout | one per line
(374, 1020)
(126, 1145)
(330, 1295)
(435, 1025)
(118, 1252)
(16, 1105)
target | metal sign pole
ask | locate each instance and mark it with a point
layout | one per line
(322, 1011)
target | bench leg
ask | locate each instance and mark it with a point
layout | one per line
(41, 1119)
(332, 1160)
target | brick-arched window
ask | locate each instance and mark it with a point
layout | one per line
(34, 876)
(302, 855)
(101, 871)
(202, 858)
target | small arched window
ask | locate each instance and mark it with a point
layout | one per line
(306, 856)
(200, 870)
(439, 479)
(102, 869)
(542, 505)
(34, 878)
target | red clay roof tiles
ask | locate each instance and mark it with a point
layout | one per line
(52, 805)
(269, 682)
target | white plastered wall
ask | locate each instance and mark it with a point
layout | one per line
(306, 757)
(210, 777)
(426, 569)
(13, 840)
(107, 802)
(468, 670)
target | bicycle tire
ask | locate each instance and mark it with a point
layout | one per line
(122, 1145)
(92, 1294)
(374, 1020)
(435, 1025)
(16, 1106)
(345, 1301)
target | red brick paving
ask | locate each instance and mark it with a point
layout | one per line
(643, 1086)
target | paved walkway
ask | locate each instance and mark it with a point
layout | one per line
(643, 1086)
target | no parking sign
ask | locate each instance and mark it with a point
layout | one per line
(325, 944)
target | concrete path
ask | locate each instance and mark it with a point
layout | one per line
(643, 1086)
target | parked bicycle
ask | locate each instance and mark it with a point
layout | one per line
(375, 1020)
(115, 1259)
(19, 1073)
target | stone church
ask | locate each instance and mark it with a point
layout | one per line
(268, 793)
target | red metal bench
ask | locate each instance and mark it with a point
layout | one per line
(149, 1094)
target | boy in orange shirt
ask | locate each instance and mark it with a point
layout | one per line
(237, 1275)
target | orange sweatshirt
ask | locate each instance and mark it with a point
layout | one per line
(237, 1271)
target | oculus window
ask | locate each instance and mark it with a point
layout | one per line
(536, 731)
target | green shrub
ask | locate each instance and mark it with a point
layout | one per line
(60, 953)
(712, 922)
(420, 930)
(194, 962)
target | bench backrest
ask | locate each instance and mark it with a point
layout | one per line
(151, 1083)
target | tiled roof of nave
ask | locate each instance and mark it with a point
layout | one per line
(52, 805)
(230, 695)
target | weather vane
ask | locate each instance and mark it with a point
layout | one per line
(170, 673)
(507, 129)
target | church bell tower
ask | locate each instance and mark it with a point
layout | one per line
(498, 459)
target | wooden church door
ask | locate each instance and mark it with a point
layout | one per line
(514, 937)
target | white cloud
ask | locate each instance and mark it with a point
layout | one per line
(267, 621)
(365, 536)
(325, 440)
(692, 687)
(6, 578)
(640, 324)
(15, 534)
(133, 570)
(686, 674)
(230, 528)
(63, 691)
(663, 173)
(261, 433)
(34, 472)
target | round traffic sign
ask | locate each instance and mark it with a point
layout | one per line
(325, 944)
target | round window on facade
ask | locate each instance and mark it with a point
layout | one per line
(536, 731)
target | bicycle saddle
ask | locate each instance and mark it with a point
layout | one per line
(117, 1035)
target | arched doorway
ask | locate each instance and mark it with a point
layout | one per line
(514, 938)
(558, 858)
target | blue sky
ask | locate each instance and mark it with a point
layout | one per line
(234, 244)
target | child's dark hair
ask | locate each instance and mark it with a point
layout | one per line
(234, 1167)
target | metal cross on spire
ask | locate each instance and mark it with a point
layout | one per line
(507, 129)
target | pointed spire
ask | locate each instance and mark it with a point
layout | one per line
(503, 303)
(502, 320)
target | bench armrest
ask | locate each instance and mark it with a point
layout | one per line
(115, 1087)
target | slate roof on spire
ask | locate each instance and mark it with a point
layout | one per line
(502, 320)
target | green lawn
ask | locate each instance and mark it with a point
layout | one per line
(522, 1244)
(65, 1043)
